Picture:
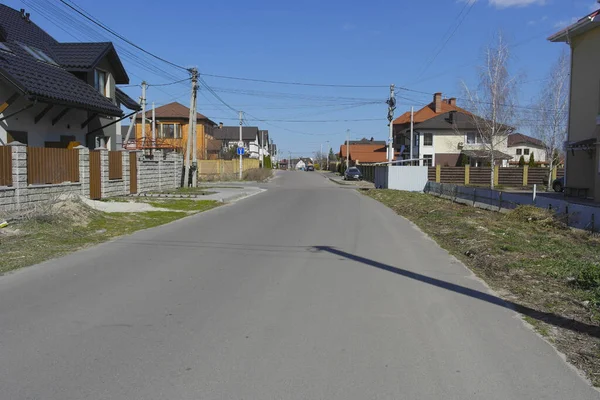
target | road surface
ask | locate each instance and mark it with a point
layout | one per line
(307, 291)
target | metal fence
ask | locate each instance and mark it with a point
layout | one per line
(5, 166)
(52, 166)
(576, 215)
(115, 165)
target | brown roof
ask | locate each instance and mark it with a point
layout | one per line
(174, 110)
(518, 138)
(365, 153)
(214, 145)
(427, 113)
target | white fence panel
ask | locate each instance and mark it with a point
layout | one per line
(408, 178)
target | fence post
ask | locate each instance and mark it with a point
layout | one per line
(438, 173)
(467, 174)
(103, 171)
(84, 170)
(19, 169)
(525, 174)
(496, 175)
(554, 171)
(158, 155)
(125, 177)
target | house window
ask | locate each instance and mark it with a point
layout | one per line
(170, 131)
(428, 139)
(428, 160)
(519, 152)
(526, 152)
(474, 138)
(38, 54)
(100, 81)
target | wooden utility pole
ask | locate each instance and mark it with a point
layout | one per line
(186, 180)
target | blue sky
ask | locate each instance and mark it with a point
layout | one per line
(330, 42)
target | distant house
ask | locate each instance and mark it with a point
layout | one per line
(172, 128)
(582, 154)
(251, 138)
(55, 94)
(364, 153)
(443, 133)
(523, 145)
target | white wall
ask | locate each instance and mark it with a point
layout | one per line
(412, 179)
(538, 154)
(43, 131)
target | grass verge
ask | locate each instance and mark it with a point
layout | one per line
(528, 257)
(45, 236)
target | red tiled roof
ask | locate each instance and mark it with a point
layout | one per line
(427, 113)
(172, 110)
(365, 153)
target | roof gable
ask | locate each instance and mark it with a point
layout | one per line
(517, 139)
(427, 113)
(174, 110)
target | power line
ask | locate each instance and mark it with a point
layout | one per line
(93, 20)
(170, 83)
(295, 83)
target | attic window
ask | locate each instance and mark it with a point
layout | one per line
(38, 54)
(3, 47)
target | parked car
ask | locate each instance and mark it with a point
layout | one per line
(310, 167)
(558, 184)
(353, 173)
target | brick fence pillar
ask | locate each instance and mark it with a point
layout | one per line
(467, 174)
(103, 171)
(525, 175)
(84, 170)
(19, 170)
(125, 176)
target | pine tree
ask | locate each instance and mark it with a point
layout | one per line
(531, 161)
(522, 161)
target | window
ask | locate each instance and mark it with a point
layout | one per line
(428, 139)
(526, 152)
(37, 54)
(474, 138)
(519, 152)
(100, 81)
(170, 131)
(428, 160)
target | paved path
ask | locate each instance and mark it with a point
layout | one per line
(306, 291)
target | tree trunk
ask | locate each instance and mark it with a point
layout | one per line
(492, 171)
(549, 188)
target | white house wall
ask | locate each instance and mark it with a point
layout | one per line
(538, 154)
(43, 131)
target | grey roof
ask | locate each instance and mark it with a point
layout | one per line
(86, 56)
(40, 80)
(262, 133)
(233, 133)
(450, 120)
(126, 100)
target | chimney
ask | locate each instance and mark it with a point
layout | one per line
(452, 101)
(27, 17)
(22, 13)
(220, 125)
(437, 103)
(371, 138)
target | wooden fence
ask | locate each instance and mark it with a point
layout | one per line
(52, 166)
(115, 165)
(225, 167)
(5, 166)
(509, 176)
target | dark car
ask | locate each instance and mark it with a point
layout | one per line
(310, 167)
(558, 184)
(353, 173)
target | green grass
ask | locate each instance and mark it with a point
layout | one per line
(185, 191)
(528, 255)
(45, 237)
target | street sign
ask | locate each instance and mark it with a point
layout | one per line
(240, 151)
(240, 144)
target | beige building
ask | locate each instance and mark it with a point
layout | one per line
(444, 134)
(582, 158)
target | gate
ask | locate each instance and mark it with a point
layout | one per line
(95, 185)
(132, 173)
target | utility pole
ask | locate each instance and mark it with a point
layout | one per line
(195, 129)
(290, 161)
(391, 107)
(328, 148)
(412, 134)
(144, 86)
(188, 147)
(241, 141)
(347, 148)
(321, 157)
(153, 124)
(262, 148)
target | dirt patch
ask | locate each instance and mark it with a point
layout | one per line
(550, 273)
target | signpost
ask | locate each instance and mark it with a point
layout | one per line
(240, 151)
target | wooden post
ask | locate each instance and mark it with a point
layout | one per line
(525, 174)
(554, 169)
(438, 173)
(496, 175)
(467, 174)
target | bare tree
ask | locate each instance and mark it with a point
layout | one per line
(492, 102)
(551, 113)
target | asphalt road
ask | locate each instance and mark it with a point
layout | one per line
(307, 291)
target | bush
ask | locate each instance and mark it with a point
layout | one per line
(268, 163)
(257, 174)
(463, 161)
(531, 161)
(317, 166)
(522, 161)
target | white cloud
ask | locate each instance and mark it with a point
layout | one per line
(509, 3)
(564, 23)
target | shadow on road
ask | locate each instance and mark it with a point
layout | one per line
(550, 318)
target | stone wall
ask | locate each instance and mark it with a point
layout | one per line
(161, 172)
